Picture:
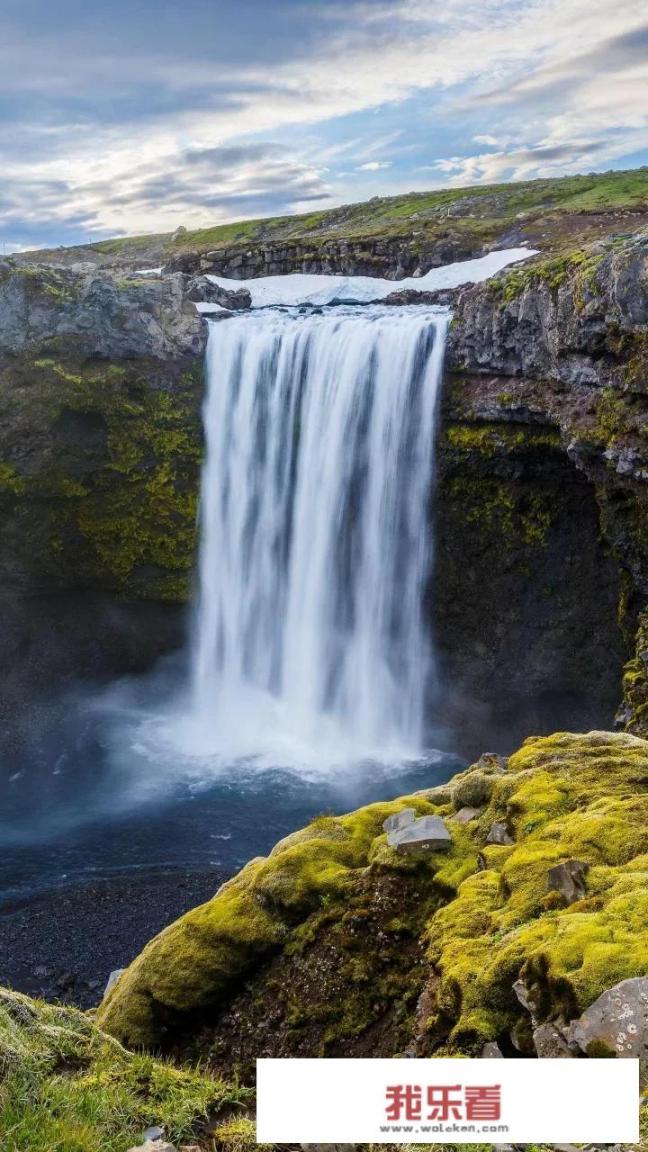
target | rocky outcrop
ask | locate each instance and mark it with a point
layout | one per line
(633, 713)
(100, 447)
(391, 257)
(553, 352)
(96, 315)
(200, 289)
(337, 945)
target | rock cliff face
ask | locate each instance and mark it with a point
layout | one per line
(543, 470)
(100, 445)
(541, 520)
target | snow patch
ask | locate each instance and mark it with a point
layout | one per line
(304, 288)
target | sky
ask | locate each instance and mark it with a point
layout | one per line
(135, 116)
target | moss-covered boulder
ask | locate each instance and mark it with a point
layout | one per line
(65, 1086)
(335, 945)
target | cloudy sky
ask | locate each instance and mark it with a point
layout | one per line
(139, 115)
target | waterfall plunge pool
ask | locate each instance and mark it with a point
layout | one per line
(309, 674)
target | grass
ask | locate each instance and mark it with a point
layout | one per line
(67, 1087)
(548, 212)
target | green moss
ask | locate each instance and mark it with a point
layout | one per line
(328, 929)
(116, 481)
(193, 963)
(517, 516)
(67, 1087)
(11, 482)
(635, 684)
(577, 267)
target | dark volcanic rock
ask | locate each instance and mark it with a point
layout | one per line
(200, 289)
(442, 296)
(543, 497)
(100, 447)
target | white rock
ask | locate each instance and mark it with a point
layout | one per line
(112, 980)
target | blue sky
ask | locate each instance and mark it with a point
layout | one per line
(141, 115)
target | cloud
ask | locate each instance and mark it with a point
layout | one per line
(374, 166)
(204, 112)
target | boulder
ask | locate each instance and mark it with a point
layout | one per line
(499, 834)
(201, 289)
(427, 834)
(400, 820)
(550, 1044)
(155, 1132)
(154, 1146)
(568, 878)
(112, 980)
(616, 1024)
(465, 815)
(492, 1051)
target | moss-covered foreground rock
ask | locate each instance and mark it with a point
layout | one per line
(67, 1087)
(336, 945)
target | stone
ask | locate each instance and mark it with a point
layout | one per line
(499, 834)
(329, 1147)
(399, 820)
(465, 815)
(550, 1043)
(155, 1132)
(616, 1023)
(200, 289)
(568, 878)
(112, 980)
(427, 834)
(492, 1051)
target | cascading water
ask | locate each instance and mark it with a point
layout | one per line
(315, 548)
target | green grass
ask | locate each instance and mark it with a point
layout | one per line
(67, 1087)
(550, 212)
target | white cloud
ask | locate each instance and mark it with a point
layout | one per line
(526, 60)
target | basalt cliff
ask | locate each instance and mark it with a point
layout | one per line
(540, 581)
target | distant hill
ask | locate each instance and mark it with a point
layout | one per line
(393, 235)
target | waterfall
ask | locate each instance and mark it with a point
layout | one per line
(316, 542)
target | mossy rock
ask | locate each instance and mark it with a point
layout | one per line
(99, 474)
(470, 922)
(633, 713)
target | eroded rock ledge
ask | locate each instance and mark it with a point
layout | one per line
(336, 944)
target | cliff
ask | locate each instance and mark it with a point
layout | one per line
(541, 567)
(554, 354)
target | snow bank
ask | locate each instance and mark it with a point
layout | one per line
(302, 288)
